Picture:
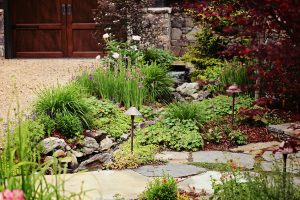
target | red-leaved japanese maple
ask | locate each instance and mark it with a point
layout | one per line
(267, 31)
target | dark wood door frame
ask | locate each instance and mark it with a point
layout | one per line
(8, 29)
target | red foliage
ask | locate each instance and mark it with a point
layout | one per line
(272, 28)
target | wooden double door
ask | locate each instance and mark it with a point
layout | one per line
(54, 28)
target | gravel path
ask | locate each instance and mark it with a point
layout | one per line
(30, 75)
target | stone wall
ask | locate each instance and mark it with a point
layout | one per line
(1, 33)
(183, 32)
(170, 30)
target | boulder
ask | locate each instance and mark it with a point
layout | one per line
(90, 145)
(52, 143)
(200, 95)
(106, 144)
(188, 89)
(70, 161)
(77, 153)
(97, 161)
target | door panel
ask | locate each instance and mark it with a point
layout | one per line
(39, 28)
(81, 29)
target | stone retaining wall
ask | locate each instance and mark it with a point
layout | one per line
(1, 33)
(171, 30)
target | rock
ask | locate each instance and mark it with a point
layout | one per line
(71, 161)
(174, 170)
(177, 23)
(106, 144)
(244, 160)
(59, 154)
(52, 143)
(195, 96)
(269, 156)
(173, 157)
(191, 36)
(176, 34)
(97, 135)
(202, 95)
(124, 137)
(68, 148)
(256, 148)
(177, 96)
(49, 160)
(201, 182)
(95, 162)
(188, 89)
(286, 129)
(77, 154)
(90, 145)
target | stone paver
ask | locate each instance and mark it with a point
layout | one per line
(256, 148)
(286, 129)
(174, 170)
(245, 160)
(103, 185)
(173, 157)
(201, 182)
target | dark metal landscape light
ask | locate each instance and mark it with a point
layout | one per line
(133, 111)
(232, 90)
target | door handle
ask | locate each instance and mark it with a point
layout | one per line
(63, 9)
(69, 9)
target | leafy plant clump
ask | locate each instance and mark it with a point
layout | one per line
(174, 134)
(159, 56)
(142, 155)
(161, 188)
(237, 137)
(183, 111)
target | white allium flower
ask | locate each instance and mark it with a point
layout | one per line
(136, 37)
(98, 57)
(105, 36)
(115, 55)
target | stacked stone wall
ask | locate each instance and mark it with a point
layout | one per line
(170, 30)
(1, 33)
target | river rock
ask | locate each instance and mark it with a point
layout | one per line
(59, 153)
(95, 162)
(188, 89)
(52, 143)
(97, 135)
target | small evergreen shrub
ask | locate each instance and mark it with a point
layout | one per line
(69, 125)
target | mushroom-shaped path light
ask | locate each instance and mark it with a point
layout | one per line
(233, 89)
(133, 111)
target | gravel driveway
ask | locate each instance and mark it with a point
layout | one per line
(30, 75)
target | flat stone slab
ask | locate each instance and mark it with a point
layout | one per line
(244, 160)
(173, 157)
(201, 182)
(286, 129)
(256, 148)
(103, 185)
(174, 170)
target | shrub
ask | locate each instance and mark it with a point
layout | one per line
(157, 82)
(64, 99)
(48, 123)
(159, 56)
(164, 188)
(214, 135)
(174, 134)
(36, 130)
(69, 125)
(142, 155)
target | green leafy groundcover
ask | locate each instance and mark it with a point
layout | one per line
(174, 134)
